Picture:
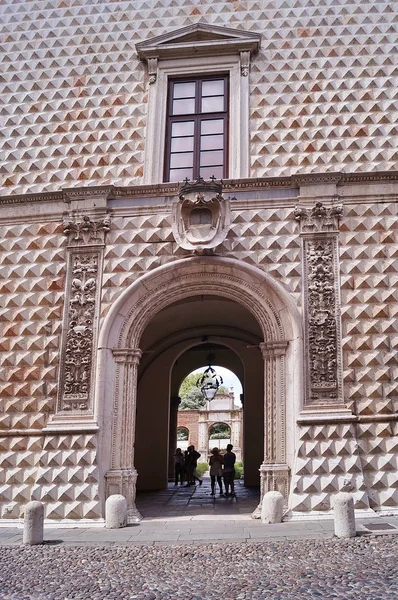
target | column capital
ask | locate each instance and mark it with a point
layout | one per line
(273, 349)
(127, 355)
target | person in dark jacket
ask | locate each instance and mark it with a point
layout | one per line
(229, 471)
(191, 462)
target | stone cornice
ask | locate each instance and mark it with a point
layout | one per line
(230, 185)
(198, 39)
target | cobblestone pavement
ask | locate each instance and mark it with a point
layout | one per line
(364, 568)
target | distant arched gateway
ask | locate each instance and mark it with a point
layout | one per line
(124, 344)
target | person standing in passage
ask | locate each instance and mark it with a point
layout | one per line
(179, 464)
(191, 462)
(216, 462)
(229, 471)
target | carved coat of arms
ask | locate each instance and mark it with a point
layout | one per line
(201, 216)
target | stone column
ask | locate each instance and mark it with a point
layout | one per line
(203, 436)
(236, 432)
(175, 402)
(274, 472)
(122, 478)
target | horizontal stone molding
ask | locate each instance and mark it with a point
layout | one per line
(317, 419)
(171, 189)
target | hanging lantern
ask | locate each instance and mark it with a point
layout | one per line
(210, 381)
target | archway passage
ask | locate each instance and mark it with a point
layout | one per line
(176, 341)
(163, 314)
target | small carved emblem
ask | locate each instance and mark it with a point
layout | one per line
(201, 216)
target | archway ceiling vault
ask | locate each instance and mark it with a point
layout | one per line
(200, 316)
(198, 320)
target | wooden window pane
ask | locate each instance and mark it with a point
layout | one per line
(184, 90)
(213, 104)
(183, 144)
(180, 174)
(183, 159)
(212, 142)
(207, 172)
(211, 158)
(182, 128)
(212, 126)
(213, 88)
(184, 107)
(197, 128)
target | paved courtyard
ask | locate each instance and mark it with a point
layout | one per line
(196, 501)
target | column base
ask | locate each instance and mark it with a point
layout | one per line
(124, 481)
(273, 478)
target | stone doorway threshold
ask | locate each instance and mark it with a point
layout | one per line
(195, 502)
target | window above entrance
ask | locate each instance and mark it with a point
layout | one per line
(195, 127)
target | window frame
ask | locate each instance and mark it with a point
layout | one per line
(197, 117)
(238, 110)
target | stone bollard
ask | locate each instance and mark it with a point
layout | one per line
(272, 508)
(33, 523)
(344, 515)
(116, 512)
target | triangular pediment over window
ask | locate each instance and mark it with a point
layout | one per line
(199, 39)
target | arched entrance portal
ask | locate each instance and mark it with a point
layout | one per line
(175, 342)
(153, 323)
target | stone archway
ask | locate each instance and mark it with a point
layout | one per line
(119, 355)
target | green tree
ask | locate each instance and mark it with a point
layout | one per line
(192, 399)
(222, 390)
(188, 383)
(220, 431)
(182, 434)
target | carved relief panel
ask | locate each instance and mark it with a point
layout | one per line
(84, 267)
(319, 231)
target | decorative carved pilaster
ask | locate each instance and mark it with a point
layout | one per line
(274, 400)
(274, 473)
(123, 475)
(77, 358)
(86, 239)
(319, 231)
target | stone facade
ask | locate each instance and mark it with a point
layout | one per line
(89, 258)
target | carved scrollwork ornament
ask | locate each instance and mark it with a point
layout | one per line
(82, 230)
(319, 218)
(152, 70)
(244, 63)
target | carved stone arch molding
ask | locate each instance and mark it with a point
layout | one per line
(119, 356)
